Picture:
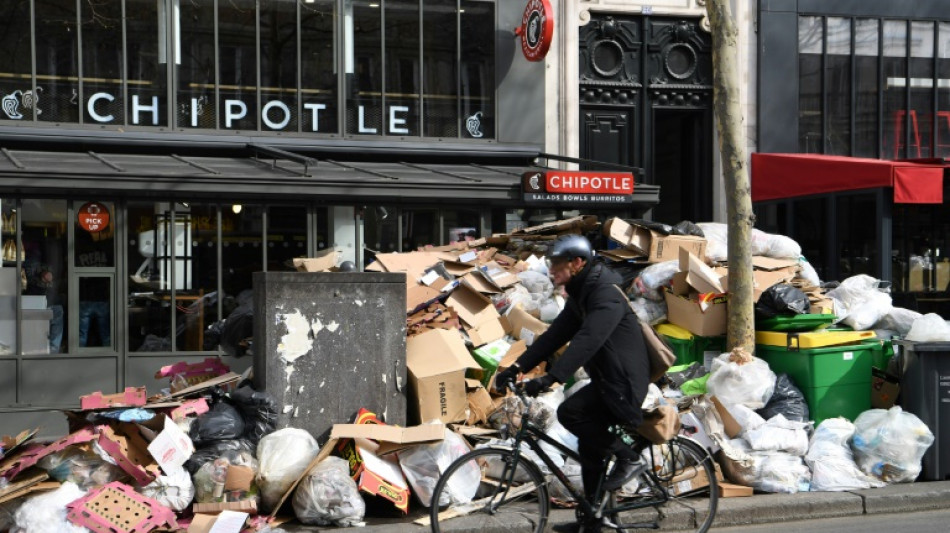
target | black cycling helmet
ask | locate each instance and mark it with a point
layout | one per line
(347, 266)
(569, 247)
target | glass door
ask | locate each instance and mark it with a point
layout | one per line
(94, 272)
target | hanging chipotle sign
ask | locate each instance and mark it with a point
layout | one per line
(93, 217)
(536, 30)
(578, 186)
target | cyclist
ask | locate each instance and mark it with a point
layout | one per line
(606, 339)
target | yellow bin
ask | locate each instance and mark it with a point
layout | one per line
(810, 339)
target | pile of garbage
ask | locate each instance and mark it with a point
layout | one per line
(207, 451)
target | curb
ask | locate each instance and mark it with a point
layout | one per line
(754, 510)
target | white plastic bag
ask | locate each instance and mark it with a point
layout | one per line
(890, 443)
(899, 320)
(423, 464)
(283, 456)
(808, 272)
(750, 384)
(649, 311)
(46, 513)
(782, 472)
(831, 461)
(870, 311)
(762, 243)
(861, 296)
(779, 434)
(174, 490)
(649, 284)
(328, 495)
(929, 328)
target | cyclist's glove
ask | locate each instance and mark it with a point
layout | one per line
(537, 385)
(506, 377)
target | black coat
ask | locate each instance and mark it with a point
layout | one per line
(605, 338)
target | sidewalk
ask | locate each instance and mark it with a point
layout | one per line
(757, 509)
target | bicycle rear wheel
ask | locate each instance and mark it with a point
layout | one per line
(686, 473)
(509, 490)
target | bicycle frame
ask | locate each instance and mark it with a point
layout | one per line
(533, 435)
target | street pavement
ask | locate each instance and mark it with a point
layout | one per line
(756, 509)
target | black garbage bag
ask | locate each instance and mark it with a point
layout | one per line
(213, 450)
(781, 299)
(237, 329)
(222, 422)
(659, 227)
(686, 227)
(787, 400)
(259, 410)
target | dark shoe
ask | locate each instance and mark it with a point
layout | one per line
(623, 471)
(576, 527)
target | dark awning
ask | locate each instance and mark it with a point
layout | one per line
(271, 173)
(778, 176)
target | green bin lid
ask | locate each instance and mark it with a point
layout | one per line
(804, 322)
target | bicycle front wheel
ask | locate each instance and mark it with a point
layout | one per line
(686, 473)
(508, 490)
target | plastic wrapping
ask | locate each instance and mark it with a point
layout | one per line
(899, 320)
(747, 419)
(649, 311)
(929, 328)
(781, 299)
(283, 455)
(831, 461)
(860, 296)
(222, 422)
(212, 451)
(83, 467)
(782, 472)
(652, 279)
(46, 513)
(328, 495)
(779, 435)
(717, 240)
(557, 490)
(787, 400)
(750, 384)
(209, 479)
(809, 273)
(890, 443)
(423, 464)
(259, 410)
(174, 490)
(762, 243)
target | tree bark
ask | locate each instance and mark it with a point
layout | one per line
(740, 219)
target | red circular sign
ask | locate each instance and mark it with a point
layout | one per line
(537, 29)
(93, 217)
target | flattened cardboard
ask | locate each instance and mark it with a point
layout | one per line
(655, 246)
(581, 223)
(323, 261)
(419, 295)
(524, 326)
(130, 452)
(497, 275)
(414, 264)
(731, 490)
(391, 435)
(698, 275)
(202, 523)
(239, 478)
(472, 307)
(479, 283)
(230, 377)
(16, 489)
(731, 426)
(437, 361)
(488, 332)
(243, 506)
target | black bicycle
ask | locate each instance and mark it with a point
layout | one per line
(491, 488)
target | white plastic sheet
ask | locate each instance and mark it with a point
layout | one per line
(929, 328)
(750, 384)
(328, 495)
(779, 434)
(283, 456)
(423, 464)
(46, 513)
(174, 490)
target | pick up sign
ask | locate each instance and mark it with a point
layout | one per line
(93, 217)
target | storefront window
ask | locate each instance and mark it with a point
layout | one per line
(194, 65)
(381, 231)
(16, 82)
(440, 77)
(810, 44)
(318, 66)
(101, 27)
(402, 67)
(896, 119)
(477, 69)
(94, 241)
(942, 128)
(278, 65)
(149, 306)
(241, 250)
(362, 51)
(461, 226)
(57, 67)
(197, 300)
(44, 270)
(286, 236)
(921, 87)
(838, 86)
(237, 53)
(857, 241)
(146, 60)
(11, 281)
(866, 53)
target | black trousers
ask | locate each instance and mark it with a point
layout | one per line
(586, 415)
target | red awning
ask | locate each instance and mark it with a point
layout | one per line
(777, 176)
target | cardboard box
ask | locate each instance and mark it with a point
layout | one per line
(689, 480)
(524, 326)
(483, 323)
(171, 447)
(126, 446)
(655, 246)
(480, 404)
(373, 471)
(731, 426)
(437, 361)
(884, 389)
(768, 271)
(696, 301)
(731, 490)
(239, 478)
(324, 260)
(498, 276)
(243, 506)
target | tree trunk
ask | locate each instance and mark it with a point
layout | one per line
(740, 219)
